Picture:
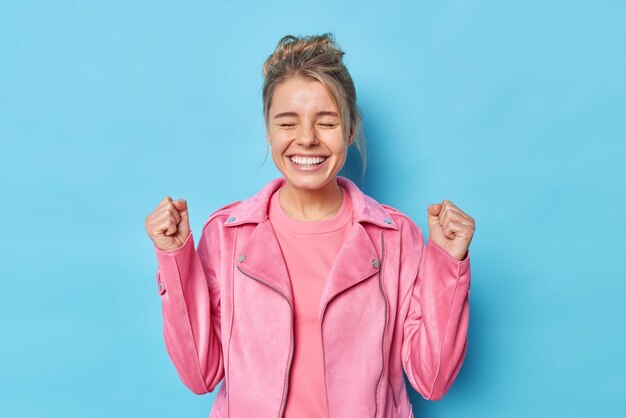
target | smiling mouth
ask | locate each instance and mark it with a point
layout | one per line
(307, 161)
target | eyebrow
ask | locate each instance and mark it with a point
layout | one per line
(294, 114)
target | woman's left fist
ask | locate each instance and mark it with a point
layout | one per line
(450, 228)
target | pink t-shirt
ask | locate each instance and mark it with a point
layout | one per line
(309, 250)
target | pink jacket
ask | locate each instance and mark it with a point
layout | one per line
(390, 304)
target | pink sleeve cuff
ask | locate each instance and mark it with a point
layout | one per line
(168, 261)
(456, 268)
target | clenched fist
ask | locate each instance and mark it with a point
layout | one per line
(168, 226)
(451, 228)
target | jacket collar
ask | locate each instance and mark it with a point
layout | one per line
(364, 207)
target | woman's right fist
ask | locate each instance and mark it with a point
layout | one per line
(168, 226)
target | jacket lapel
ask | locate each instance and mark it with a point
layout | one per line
(263, 259)
(357, 260)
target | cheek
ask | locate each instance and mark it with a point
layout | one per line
(277, 143)
(276, 155)
(278, 149)
(340, 148)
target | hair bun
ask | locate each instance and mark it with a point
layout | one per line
(302, 50)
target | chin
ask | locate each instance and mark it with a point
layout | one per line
(309, 182)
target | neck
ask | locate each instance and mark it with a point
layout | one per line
(311, 204)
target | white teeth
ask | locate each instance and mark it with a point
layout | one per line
(307, 160)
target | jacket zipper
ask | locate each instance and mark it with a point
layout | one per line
(282, 401)
(380, 284)
(324, 359)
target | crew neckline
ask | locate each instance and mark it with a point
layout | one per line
(338, 220)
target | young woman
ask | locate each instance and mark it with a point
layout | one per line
(310, 298)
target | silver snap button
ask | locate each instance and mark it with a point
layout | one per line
(375, 263)
(241, 258)
(387, 221)
(230, 219)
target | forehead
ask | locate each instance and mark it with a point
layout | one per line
(302, 94)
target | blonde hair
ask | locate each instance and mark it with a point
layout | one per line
(316, 57)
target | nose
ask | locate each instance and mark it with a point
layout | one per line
(307, 136)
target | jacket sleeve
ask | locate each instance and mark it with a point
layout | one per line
(191, 314)
(435, 329)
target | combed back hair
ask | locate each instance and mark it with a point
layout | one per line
(316, 57)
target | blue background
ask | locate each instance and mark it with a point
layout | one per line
(515, 112)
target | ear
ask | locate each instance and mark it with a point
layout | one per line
(351, 137)
(267, 136)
